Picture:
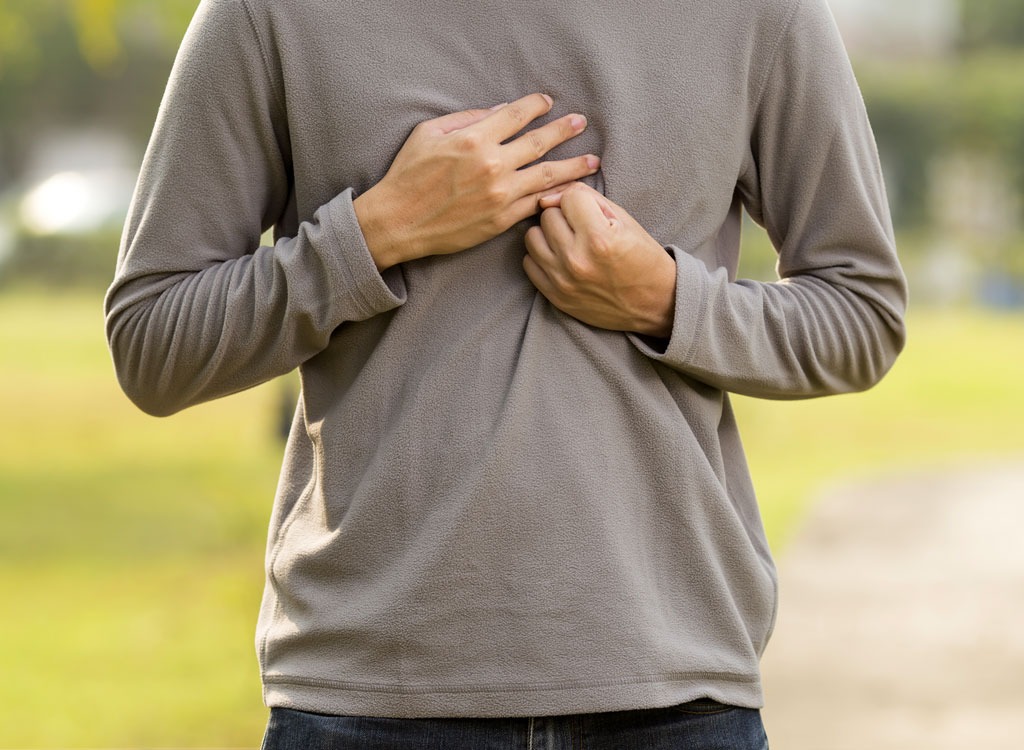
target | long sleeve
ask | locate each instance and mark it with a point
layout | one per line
(198, 309)
(833, 322)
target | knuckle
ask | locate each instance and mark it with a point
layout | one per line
(490, 167)
(563, 284)
(600, 245)
(496, 195)
(537, 143)
(577, 267)
(547, 175)
(496, 224)
(549, 217)
(468, 141)
(516, 113)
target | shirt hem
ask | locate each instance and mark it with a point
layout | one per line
(501, 700)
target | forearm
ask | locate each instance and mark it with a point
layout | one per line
(180, 337)
(809, 335)
(833, 323)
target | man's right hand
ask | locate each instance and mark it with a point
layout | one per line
(456, 182)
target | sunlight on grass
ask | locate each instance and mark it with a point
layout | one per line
(148, 653)
(132, 547)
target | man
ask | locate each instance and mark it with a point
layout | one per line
(514, 509)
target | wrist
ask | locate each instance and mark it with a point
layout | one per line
(658, 315)
(378, 229)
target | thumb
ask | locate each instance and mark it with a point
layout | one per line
(585, 207)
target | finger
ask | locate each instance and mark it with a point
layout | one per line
(552, 200)
(537, 276)
(529, 205)
(557, 232)
(607, 209)
(504, 123)
(538, 247)
(611, 210)
(555, 193)
(537, 142)
(548, 174)
(462, 119)
(582, 208)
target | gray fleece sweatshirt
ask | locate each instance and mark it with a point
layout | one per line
(488, 508)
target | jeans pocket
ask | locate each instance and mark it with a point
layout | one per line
(702, 707)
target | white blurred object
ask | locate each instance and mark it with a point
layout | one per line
(74, 202)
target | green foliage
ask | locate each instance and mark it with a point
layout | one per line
(103, 30)
(918, 110)
(82, 63)
(991, 23)
(85, 260)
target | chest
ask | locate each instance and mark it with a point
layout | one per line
(664, 93)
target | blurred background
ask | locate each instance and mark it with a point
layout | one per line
(131, 548)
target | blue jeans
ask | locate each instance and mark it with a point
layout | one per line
(698, 725)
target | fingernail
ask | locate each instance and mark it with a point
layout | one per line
(593, 162)
(578, 122)
(499, 106)
(549, 100)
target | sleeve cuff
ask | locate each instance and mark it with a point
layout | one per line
(371, 291)
(690, 309)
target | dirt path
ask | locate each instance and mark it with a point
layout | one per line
(902, 618)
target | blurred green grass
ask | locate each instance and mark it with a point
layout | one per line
(953, 398)
(131, 548)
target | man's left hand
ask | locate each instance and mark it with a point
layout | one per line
(593, 261)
